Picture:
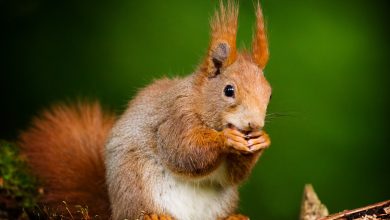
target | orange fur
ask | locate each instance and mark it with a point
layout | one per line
(260, 51)
(223, 30)
(200, 147)
(65, 149)
(156, 217)
(237, 217)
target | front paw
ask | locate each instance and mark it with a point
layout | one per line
(235, 141)
(258, 140)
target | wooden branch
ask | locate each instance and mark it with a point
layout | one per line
(378, 211)
(313, 209)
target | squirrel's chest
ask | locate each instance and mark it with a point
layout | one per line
(191, 201)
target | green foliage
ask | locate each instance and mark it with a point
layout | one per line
(16, 183)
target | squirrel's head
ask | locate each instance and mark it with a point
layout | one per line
(234, 91)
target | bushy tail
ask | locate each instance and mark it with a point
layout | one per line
(65, 147)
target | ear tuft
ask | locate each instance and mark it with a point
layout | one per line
(222, 49)
(260, 51)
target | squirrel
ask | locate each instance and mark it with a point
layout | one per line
(179, 151)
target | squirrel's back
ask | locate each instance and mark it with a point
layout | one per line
(64, 147)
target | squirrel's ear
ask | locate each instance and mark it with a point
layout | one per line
(260, 51)
(222, 49)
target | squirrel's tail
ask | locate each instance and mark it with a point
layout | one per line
(65, 149)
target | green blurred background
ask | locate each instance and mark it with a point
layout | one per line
(328, 67)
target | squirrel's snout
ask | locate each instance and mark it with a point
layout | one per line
(247, 126)
(255, 126)
(246, 120)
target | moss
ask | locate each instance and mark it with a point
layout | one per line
(18, 188)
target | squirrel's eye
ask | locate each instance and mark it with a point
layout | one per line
(229, 91)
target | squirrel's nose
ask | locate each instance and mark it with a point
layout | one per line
(255, 126)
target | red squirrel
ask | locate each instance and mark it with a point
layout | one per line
(179, 151)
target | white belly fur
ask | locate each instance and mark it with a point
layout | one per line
(193, 200)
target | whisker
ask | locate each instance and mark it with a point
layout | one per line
(274, 115)
(278, 114)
